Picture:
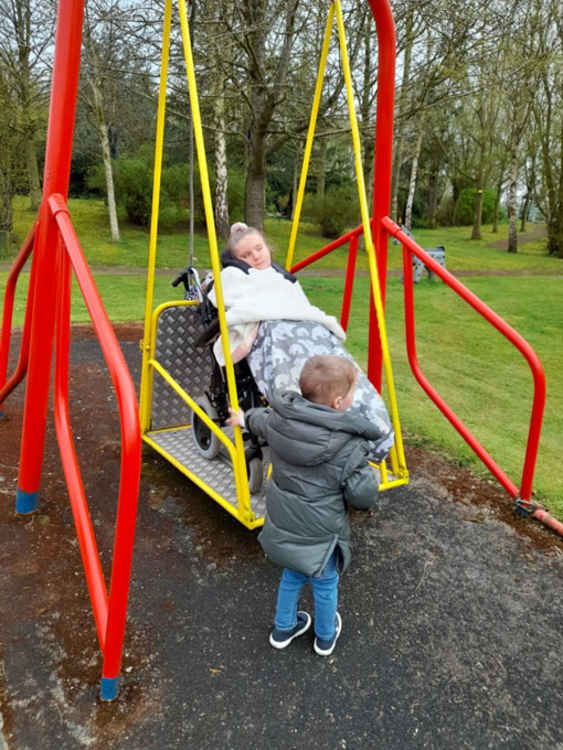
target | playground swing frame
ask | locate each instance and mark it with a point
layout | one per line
(55, 249)
(242, 508)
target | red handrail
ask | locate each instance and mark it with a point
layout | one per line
(109, 613)
(342, 240)
(9, 294)
(349, 282)
(411, 247)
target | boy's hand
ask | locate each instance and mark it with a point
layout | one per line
(236, 419)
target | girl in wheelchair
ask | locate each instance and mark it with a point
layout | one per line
(273, 330)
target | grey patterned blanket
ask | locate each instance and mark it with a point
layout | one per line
(281, 349)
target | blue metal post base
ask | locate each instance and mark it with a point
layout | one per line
(26, 502)
(110, 688)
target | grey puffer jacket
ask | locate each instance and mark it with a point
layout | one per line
(319, 466)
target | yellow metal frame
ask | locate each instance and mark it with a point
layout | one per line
(397, 453)
(243, 511)
(240, 477)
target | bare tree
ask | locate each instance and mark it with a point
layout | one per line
(26, 28)
(100, 64)
(9, 142)
(409, 35)
(547, 108)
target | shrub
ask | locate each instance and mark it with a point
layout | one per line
(133, 182)
(465, 206)
(132, 178)
(333, 212)
(235, 194)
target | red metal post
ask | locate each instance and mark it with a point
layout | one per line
(383, 16)
(349, 282)
(82, 521)
(410, 246)
(334, 245)
(55, 180)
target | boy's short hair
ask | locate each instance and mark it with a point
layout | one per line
(325, 377)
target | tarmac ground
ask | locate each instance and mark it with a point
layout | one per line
(451, 609)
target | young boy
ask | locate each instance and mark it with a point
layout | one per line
(319, 467)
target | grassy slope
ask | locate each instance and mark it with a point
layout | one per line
(483, 378)
(462, 254)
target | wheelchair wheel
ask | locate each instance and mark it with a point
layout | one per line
(255, 469)
(206, 441)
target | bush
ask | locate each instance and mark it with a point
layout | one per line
(465, 206)
(133, 182)
(235, 194)
(132, 178)
(337, 210)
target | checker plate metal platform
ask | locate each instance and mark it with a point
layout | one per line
(190, 366)
(217, 473)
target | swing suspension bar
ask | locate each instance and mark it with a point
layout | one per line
(376, 302)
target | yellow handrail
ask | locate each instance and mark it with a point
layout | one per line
(146, 371)
(310, 138)
(374, 277)
(213, 249)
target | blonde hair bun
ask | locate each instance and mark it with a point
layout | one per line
(238, 227)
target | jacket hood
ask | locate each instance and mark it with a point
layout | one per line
(308, 434)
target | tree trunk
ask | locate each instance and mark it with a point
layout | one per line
(6, 210)
(498, 192)
(254, 197)
(414, 170)
(512, 208)
(494, 228)
(555, 229)
(295, 182)
(321, 167)
(106, 156)
(525, 209)
(255, 185)
(32, 173)
(221, 173)
(400, 120)
(530, 164)
(477, 213)
(365, 111)
(432, 205)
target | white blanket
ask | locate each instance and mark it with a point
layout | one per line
(262, 295)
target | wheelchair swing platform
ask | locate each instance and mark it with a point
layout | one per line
(177, 365)
(177, 445)
(179, 370)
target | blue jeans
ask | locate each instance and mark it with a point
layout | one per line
(325, 595)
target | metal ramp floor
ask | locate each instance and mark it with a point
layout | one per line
(177, 444)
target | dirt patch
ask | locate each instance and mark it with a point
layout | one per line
(459, 485)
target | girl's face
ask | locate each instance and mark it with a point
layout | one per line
(253, 250)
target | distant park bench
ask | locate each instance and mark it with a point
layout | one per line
(436, 253)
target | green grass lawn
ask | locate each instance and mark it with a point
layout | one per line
(483, 378)
(462, 254)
